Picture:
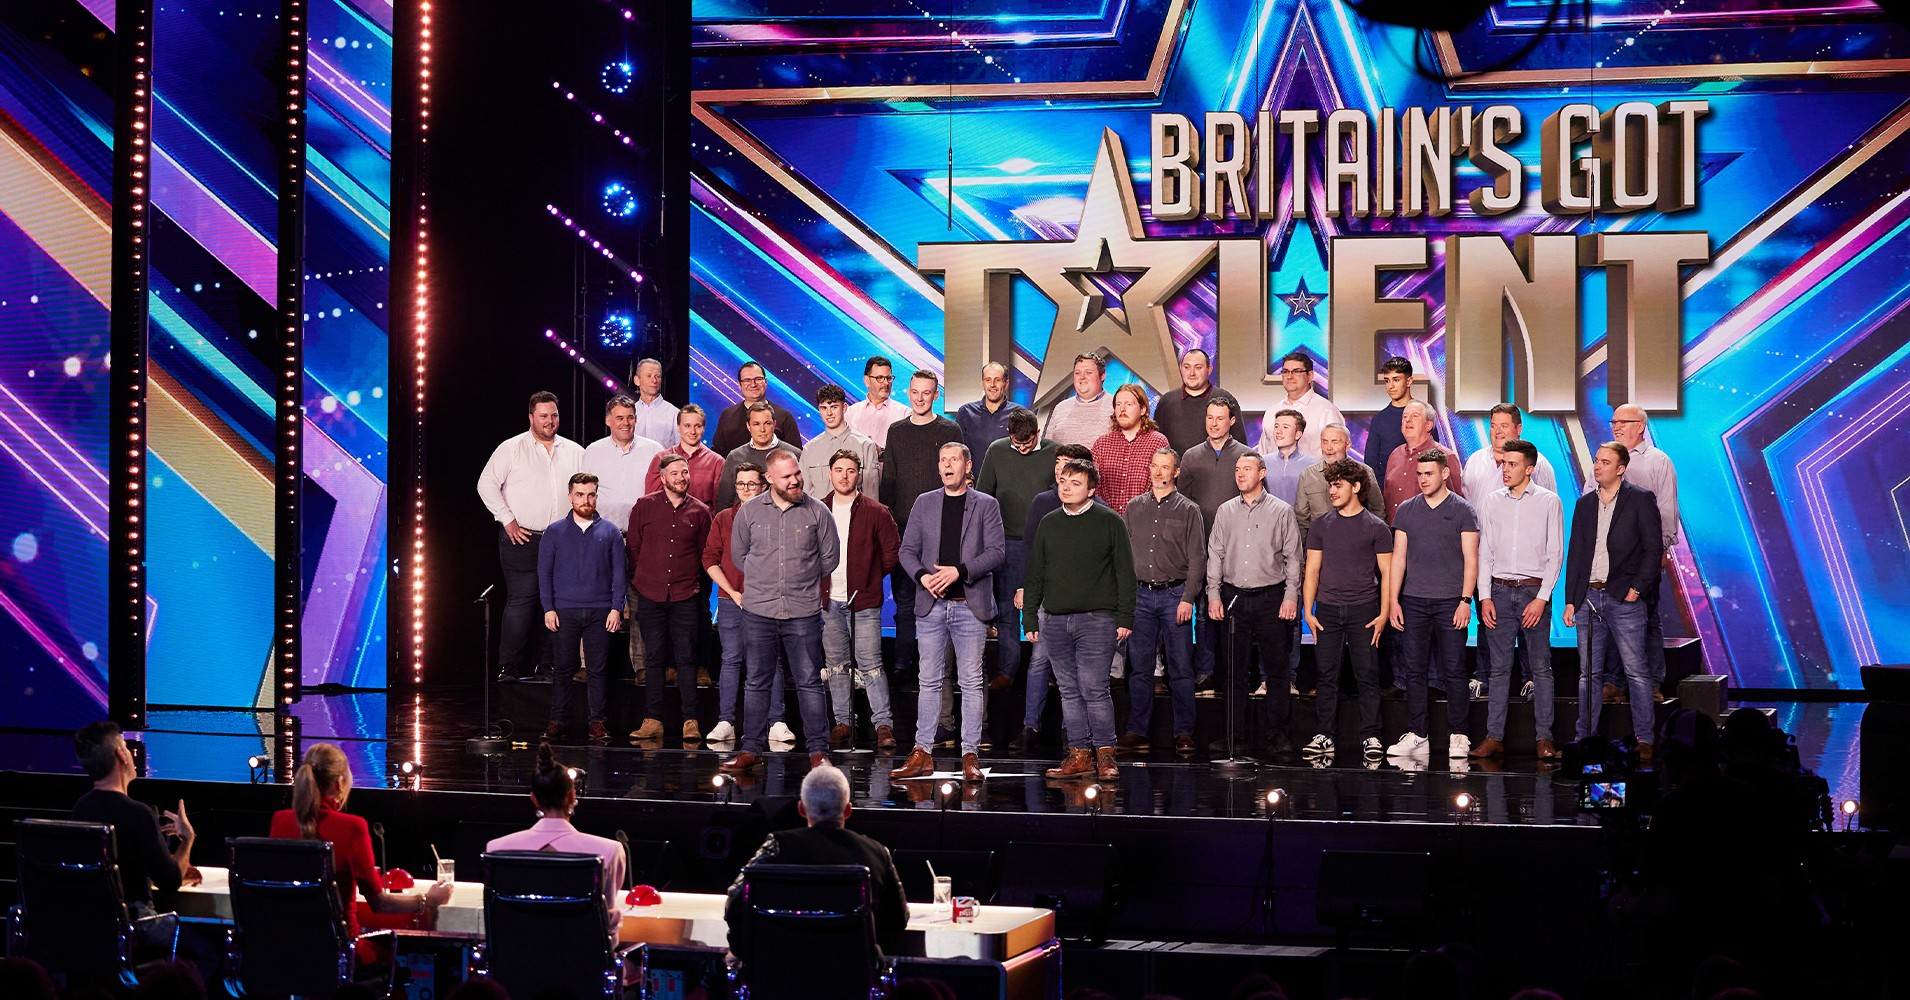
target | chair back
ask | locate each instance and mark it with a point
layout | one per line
(812, 932)
(289, 934)
(72, 912)
(544, 925)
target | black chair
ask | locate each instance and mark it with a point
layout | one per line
(544, 926)
(811, 934)
(72, 917)
(289, 935)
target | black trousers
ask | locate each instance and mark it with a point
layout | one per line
(669, 638)
(1256, 620)
(523, 615)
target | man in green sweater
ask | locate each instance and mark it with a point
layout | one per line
(1080, 580)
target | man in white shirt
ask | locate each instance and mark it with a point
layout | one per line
(1521, 544)
(656, 416)
(620, 460)
(832, 405)
(1482, 478)
(1083, 417)
(1296, 376)
(871, 417)
(1650, 469)
(526, 486)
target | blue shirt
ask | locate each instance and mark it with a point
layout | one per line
(580, 567)
(1283, 473)
(981, 428)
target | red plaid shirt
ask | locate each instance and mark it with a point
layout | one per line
(1123, 465)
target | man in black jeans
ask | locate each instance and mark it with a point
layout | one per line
(1348, 562)
(144, 860)
(525, 486)
(1253, 571)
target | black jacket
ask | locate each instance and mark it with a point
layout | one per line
(1634, 546)
(827, 845)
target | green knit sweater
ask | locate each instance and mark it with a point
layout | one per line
(1079, 563)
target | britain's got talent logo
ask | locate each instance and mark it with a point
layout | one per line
(1633, 157)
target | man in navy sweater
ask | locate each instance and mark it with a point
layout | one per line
(580, 579)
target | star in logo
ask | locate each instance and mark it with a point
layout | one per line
(1300, 304)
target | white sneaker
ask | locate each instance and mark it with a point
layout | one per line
(781, 733)
(1525, 690)
(1409, 745)
(1261, 691)
(1458, 746)
(723, 732)
(1319, 745)
(1293, 689)
(1478, 688)
(1410, 762)
(1371, 747)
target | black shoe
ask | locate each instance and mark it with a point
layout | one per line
(945, 736)
(1026, 742)
(1281, 745)
(506, 677)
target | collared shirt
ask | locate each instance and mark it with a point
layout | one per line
(748, 452)
(619, 473)
(665, 544)
(1482, 474)
(1183, 416)
(1207, 476)
(1123, 465)
(1080, 421)
(526, 483)
(785, 553)
(1316, 501)
(1169, 537)
(1601, 555)
(1402, 475)
(1435, 551)
(1521, 536)
(1284, 471)
(819, 454)
(554, 833)
(982, 427)
(706, 468)
(873, 422)
(1651, 469)
(581, 565)
(656, 420)
(1255, 546)
(1318, 411)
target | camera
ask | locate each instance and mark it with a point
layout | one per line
(1604, 787)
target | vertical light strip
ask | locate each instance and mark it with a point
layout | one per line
(421, 303)
(126, 568)
(288, 467)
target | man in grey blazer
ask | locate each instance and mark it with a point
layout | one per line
(951, 548)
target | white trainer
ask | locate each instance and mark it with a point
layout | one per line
(1525, 690)
(1458, 746)
(1320, 745)
(1409, 745)
(723, 732)
(1261, 691)
(1371, 747)
(780, 732)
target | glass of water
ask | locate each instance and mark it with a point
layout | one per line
(447, 871)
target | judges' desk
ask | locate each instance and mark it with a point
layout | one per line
(1021, 938)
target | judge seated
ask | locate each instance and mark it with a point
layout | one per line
(554, 796)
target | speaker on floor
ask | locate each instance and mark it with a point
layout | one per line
(1374, 894)
(1076, 881)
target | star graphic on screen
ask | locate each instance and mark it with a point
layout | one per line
(1300, 304)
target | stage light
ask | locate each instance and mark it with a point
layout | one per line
(618, 76)
(260, 767)
(595, 244)
(1462, 802)
(617, 331)
(578, 776)
(1091, 793)
(596, 370)
(1091, 797)
(1850, 812)
(1275, 796)
(406, 774)
(619, 201)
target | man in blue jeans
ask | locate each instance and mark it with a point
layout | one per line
(1521, 541)
(1611, 571)
(749, 483)
(1080, 582)
(785, 542)
(1436, 558)
(852, 613)
(952, 548)
(1169, 538)
(580, 580)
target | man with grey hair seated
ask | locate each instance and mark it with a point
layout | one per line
(825, 841)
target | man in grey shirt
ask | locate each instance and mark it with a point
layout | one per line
(1253, 574)
(1169, 540)
(785, 544)
(1207, 478)
(1436, 540)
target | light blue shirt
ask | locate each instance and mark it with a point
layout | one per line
(1283, 473)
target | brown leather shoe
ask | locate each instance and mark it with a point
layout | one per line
(820, 759)
(692, 731)
(885, 739)
(652, 729)
(598, 734)
(1548, 751)
(1001, 682)
(553, 732)
(1184, 744)
(841, 735)
(1644, 754)
(1104, 767)
(1079, 763)
(1657, 697)
(1487, 747)
(740, 763)
(919, 765)
(1611, 695)
(1131, 741)
(971, 767)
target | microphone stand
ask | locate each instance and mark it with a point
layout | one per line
(492, 742)
(1231, 761)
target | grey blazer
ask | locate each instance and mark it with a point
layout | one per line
(984, 546)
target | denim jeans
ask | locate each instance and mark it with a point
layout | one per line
(1007, 618)
(1079, 649)
(523, 644)
(1155, 627)
(800, 640)
(1509, 603)
(575, 625)
(1614, 668)
(729, 683)
(902, 592)
(1257, 620)
(852, 641)
(1040, 672)
(633, 633)
(951, 622)
(1343, 631)
(1206, 639)
(1431, 648)
(1607, 621)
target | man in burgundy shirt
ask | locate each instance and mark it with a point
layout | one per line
(665, 545)
(1122, 455)
(706, 466)
(1401, 482)
(852, 604)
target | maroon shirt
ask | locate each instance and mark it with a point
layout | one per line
(716, 551)
(872, 550)
(706, 468)
(665, 546)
